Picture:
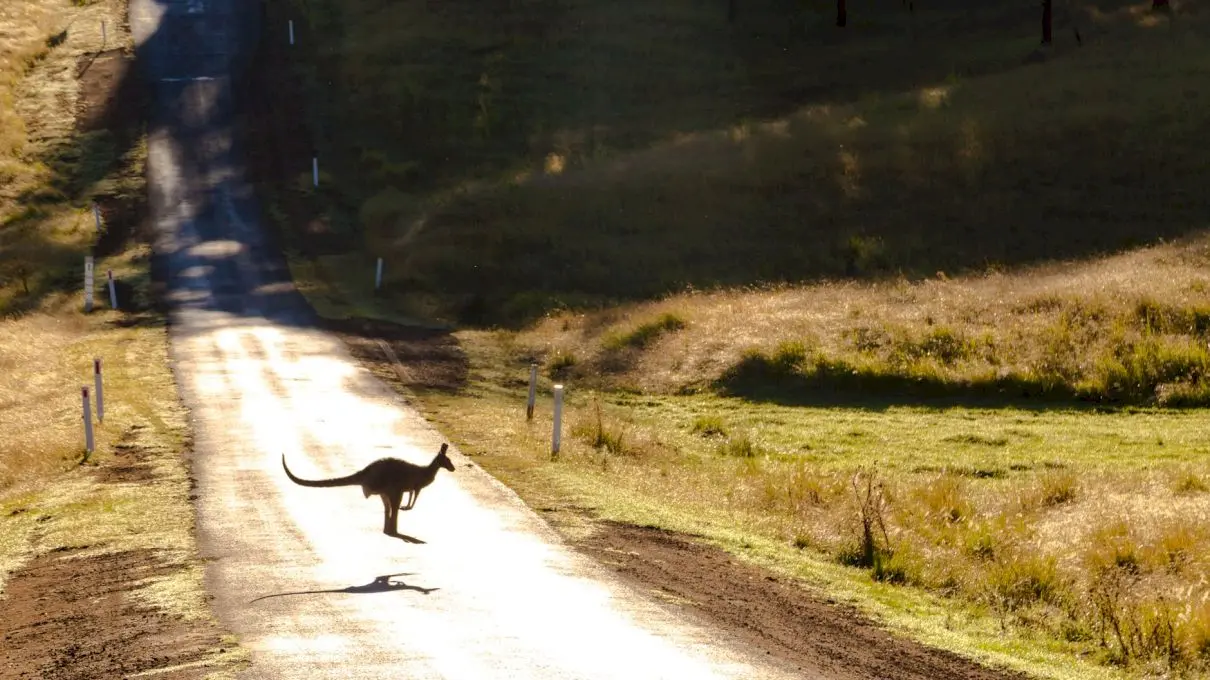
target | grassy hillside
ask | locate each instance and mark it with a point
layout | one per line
(509, 158)
(1127, 329)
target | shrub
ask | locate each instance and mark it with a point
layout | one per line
(599, 435)
(944, 499)
(1189, 482)
(1160, 318)
(1113, 548)
(561, 364)
(1179, 544)
(805, 488)
(739, 447)
(708, 426)
(1021, 581)
(1057, 488)
(868, 340)
(1155, 366)
(901, 567)
(645, 334)
(789, 357)
(945, 345)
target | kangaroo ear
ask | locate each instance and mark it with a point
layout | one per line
(443, 449)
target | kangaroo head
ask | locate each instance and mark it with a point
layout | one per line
(443, 460)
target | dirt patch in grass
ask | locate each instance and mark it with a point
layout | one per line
(131, 462)
(74, 617)
(772, 615)
(111, 94)
(429, 359)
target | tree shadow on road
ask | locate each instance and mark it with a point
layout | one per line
(380, 584)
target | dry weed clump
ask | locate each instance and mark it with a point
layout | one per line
(1146, 607)
(1189, 481)
(1135, 589)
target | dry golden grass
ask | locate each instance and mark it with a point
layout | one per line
(45, 359)
(48, 499)
(46, 355)
(1064, 321)
(47, 36)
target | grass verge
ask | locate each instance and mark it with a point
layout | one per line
(73, 136)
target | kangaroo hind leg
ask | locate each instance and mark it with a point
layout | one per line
(388, 524)
(392, 500)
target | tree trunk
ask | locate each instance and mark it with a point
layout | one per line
(730, 11)
(842, 14)
(1047, 22)
(1160, 4)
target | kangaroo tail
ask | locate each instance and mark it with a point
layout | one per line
(351, 480)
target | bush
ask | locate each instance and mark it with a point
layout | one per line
(1154, 367)
(1189, 482)
(645, 334)
(561, 364)
(739, 447)
(708, 426)
(1058, 488)
(1022, 581)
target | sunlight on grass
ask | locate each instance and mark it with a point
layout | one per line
(1079, 330)
(975, 494)
(934, 97)
(48, 358)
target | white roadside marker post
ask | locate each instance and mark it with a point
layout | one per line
(88, 264)
(533, 391)
(88, 441)
(96, 215)
(96, 376)
(113, 292)
(378, 275)
(104, 34)
(556, 437)
(315, 170)
(291, 31)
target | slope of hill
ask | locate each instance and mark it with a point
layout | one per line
(503, 162)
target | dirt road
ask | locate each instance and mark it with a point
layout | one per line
(304, 576)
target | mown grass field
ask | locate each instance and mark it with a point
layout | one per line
(71, 126)
(899, 310)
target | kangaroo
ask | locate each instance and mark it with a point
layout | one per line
(389, 478)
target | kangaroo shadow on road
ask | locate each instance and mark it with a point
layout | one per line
(380, 584)
(406, 538)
